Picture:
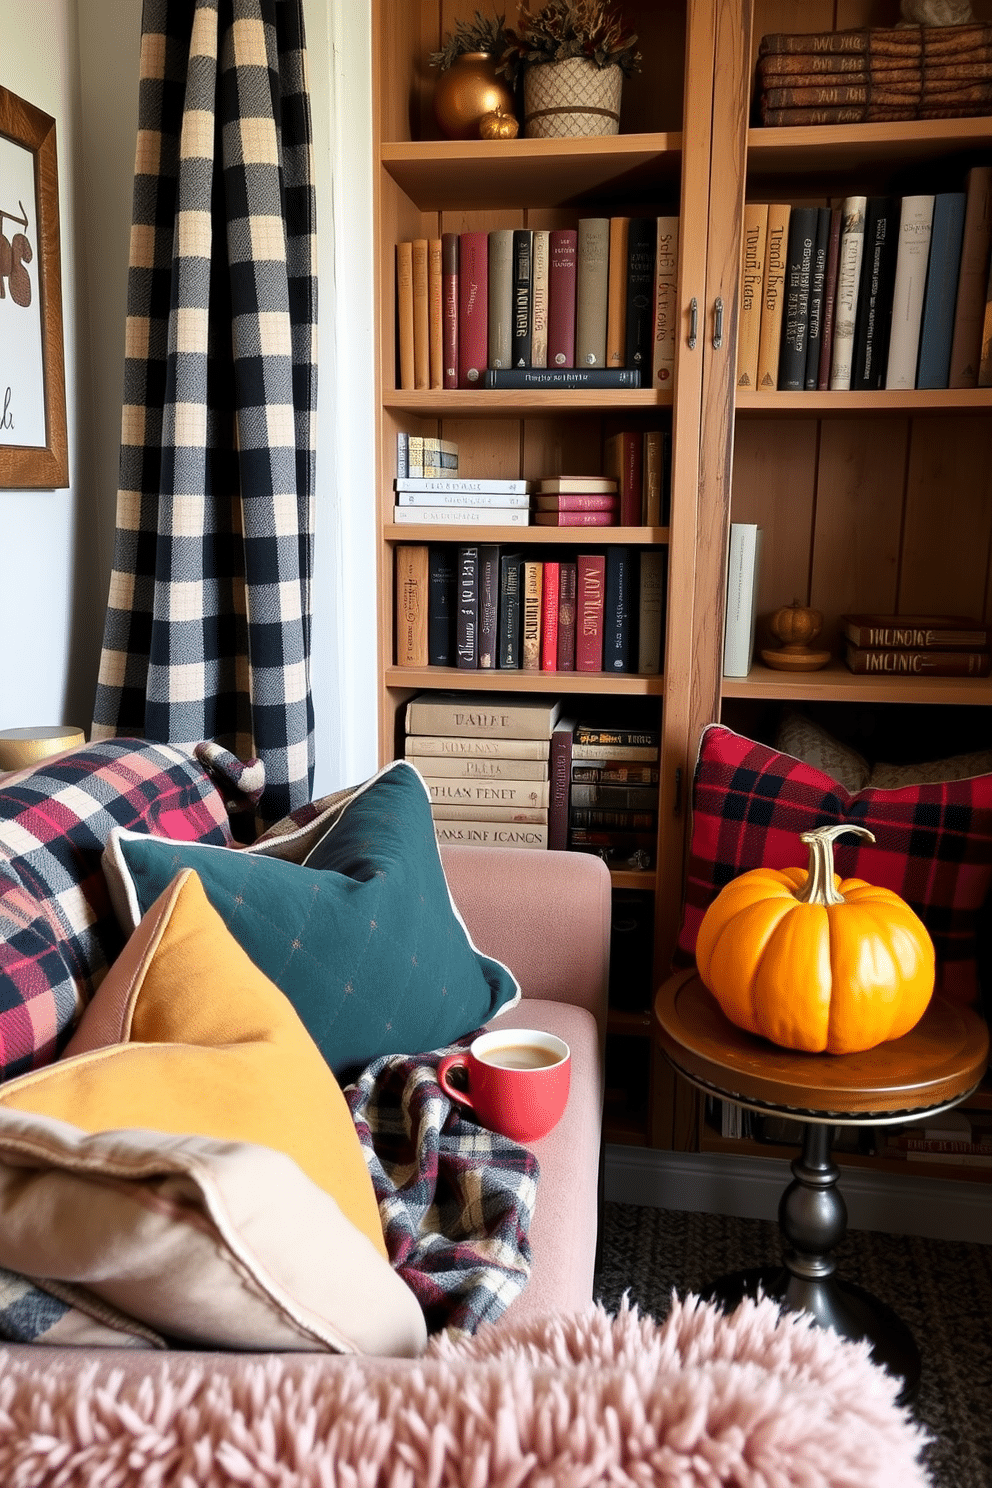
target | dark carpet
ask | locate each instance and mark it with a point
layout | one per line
(941, 1290)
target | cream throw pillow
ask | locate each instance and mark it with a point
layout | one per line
(192, 1160)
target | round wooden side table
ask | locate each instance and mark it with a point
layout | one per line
(930, 1069)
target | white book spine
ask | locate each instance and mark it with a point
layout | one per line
(500, 304)
(492, 834)
(915, 224)
(852, 241)
(467, 767)
(666, 319)
(462, 498)
(742, 598)
(466, 516)
(539, 298)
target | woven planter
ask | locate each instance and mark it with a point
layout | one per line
(571, 97)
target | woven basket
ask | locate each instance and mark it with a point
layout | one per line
(571, 97)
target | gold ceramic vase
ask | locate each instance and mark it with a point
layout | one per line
(466, 91)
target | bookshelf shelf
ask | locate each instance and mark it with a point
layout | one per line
(463, 679)
(830, 155)
(573, 537)
(626, 878)
(467, 175)
(835, 684)
(510, 404)
(843, 405)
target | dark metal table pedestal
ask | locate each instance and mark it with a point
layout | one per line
(813, 1219)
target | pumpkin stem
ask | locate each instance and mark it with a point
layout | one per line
(819, 886)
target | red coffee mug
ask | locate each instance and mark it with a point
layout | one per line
(517, 1081)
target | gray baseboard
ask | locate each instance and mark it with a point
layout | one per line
(750, 1188)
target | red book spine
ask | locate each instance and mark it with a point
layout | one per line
(562, 245)
(575, 518)
(567, 586)
(577, 501)
(473, 308)
(549, 617)
(624, 458)
(449, 308)
(589, 612)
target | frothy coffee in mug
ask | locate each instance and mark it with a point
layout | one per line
(519, 1056)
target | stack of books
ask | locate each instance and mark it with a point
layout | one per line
(589, 306)
(956, 1139)
(418, 454)
(485, 761)
(875, 75)
(576, 501)
(879, 292)
(613, 793)
(917, 645)
(487, 605)
(461, 501)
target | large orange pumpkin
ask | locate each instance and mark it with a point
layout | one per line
(813, 962)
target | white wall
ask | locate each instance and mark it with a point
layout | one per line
(57, 548)
(47, 599)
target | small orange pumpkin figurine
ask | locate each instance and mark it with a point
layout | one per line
(813, 962)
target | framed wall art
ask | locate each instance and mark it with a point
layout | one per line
(33, 447)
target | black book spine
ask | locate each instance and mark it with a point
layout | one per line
(666, 477)
(642, 235)
(619, 642)
(467, 623)
(441, 604)
(488, 605)
(878, 274)
(510, 566)
(561, 377)
(817, 286)
(798, 271)
(523, 251)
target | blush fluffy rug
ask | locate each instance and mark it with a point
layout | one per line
(757, 1400)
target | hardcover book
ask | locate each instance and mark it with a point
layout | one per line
(878, 273)
(915, 223)
(650, 610)
(441, 580)
(773, 296)
(852, 240)
(623, 461)
(616, 293)
(463, 485)
(435, 308)
(916, 632)
(488, 605)
(563, 377)
(446, 790)
(566, 501)
(560, 771)
(530, 656)
(473, 308)
(742, 598)
(467, 608)
(510, 597)
(421, 316)
(494, 715)
(666, 315)
(620, 797)
(969, 311)
(567, 590)
(919, 663)
(404, 314)
(411, 605)
(566, 518)
(562, 244)
(539, 300)
(492, 834)
(795, 324)
(474, 767)
(653, 463)
(549, 615)
(449, 297)
(596, 735)
(462, 498)
(574, 484)
(940, 294)
(589, 612)
(829, 299)
(639, 294)
(752, 276)
(467, 516)
(480, 812)
(479, 746)
(500, 297)
(523, 241)
(592, 261)
(618, 610)
(817, 291)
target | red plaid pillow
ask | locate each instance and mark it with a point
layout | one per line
(933, 842)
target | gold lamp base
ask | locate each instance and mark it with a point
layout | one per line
(22, 747)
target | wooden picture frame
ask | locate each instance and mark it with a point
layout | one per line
(32, 357)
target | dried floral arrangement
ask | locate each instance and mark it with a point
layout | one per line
(480, 34)
(562, 29)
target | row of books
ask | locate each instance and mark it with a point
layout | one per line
(486, 606)
(515, 772)
(917, 645)
(880, 292)
(594, 305)
(953, 1139)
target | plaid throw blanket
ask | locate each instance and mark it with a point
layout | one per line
(207, 634)
(455, 1200)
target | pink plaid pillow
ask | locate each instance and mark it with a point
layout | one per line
(933, 841)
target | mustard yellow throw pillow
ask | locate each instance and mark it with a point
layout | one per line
(192, 1160)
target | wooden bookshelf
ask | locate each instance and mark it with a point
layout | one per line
(869, 501)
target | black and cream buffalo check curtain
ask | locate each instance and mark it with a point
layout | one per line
(207, 633)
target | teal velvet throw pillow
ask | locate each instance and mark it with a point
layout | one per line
(363, 937)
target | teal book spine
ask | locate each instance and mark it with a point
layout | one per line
(940, 295)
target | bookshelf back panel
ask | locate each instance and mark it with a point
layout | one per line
(888, 514)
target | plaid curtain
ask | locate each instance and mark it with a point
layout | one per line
(207, 633)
